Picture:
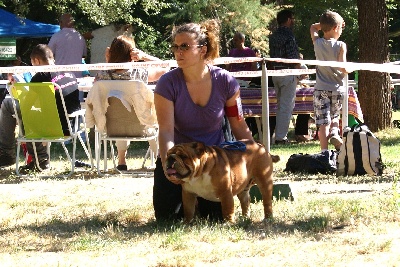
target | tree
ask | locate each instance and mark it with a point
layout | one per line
(144, 15)
(374, 87)
(248, 17)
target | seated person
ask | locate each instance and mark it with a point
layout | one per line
(122, 50)
(41, 55)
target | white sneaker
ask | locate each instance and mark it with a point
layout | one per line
(336, 141)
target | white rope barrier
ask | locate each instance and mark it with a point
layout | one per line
(82, 67)
(264, 73)
(282, 72)
(385, 67)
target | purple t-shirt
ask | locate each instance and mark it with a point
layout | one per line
(192, 122)
(246, 52)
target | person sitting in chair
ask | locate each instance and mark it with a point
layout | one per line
(40, 55)
(122, 50)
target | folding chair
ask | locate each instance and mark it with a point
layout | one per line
(122, 110)
(41, 121)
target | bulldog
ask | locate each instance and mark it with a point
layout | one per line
(218, 174)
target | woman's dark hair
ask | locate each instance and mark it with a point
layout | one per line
(120, 49)
(205, 33)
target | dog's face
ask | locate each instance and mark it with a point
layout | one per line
(183, 159)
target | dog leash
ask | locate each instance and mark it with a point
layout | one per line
(233, 145)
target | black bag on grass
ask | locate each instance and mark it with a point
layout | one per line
(324, 163)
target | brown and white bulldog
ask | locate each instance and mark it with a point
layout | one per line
(218, 174)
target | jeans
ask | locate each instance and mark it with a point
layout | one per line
(7, 132)
(285, 88)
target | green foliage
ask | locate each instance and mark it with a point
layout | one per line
(308, 12)
(248, 17)
(153, 19)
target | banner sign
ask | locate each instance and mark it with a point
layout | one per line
(8, 49)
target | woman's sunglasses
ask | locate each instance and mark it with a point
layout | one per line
(183, 47)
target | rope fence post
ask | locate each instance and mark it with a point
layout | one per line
(265, 107)
(345, 104)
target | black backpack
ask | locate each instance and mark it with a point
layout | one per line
(324, 163)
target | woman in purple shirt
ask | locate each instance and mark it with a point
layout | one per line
(190, 104)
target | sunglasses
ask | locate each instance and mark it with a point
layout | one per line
(183, 47)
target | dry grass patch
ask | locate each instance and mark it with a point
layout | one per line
(88, 220)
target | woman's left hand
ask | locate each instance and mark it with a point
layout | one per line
(136, 54)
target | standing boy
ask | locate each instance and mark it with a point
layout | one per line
(329, 88)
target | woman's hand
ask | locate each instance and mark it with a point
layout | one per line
(137, 54)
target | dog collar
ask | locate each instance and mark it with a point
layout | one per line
(233, 145)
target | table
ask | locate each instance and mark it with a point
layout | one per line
(252, 102)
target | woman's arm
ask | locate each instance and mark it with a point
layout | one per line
(154, 73)
(165, 118)
(137, 54)
(166, 121)
(238, 125)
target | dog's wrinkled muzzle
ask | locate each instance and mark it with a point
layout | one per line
(175, 167)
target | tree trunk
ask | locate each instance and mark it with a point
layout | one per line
(374, 87)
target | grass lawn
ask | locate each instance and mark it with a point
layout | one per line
(87, 220)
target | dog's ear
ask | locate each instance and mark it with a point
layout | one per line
(199, 147)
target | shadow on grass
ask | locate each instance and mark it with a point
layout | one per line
(94, 227)
(332, 178)
(390, 141)
(8, 175)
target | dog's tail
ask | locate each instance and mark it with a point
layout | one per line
(275, 158)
